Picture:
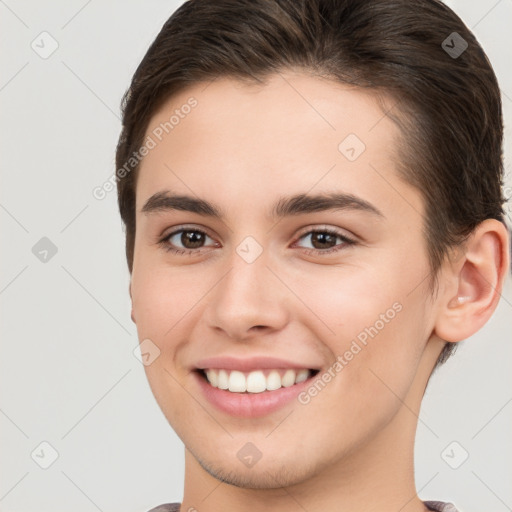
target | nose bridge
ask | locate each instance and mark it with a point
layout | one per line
(248, 295)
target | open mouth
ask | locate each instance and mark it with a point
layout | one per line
(257, 381)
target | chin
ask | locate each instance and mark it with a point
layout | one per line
(270, 474)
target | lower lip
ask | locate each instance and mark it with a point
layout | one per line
(250, 405)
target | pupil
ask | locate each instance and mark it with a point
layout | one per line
(323, 238)
(195, 238)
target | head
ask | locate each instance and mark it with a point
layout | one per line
(243, 102)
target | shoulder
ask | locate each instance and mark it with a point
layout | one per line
(167, 507)
(440, 506)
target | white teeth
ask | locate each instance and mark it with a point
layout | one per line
(237, 382)
(223, 380)
(302, 375)
(273, 380)
(288, 379)
(255, 381)
(213, 378)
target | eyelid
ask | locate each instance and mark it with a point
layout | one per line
(183, 227)
(325, 227)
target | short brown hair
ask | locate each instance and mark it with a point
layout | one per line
(448, 105)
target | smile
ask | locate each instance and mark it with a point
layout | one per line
(247, 398)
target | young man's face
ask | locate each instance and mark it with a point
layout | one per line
(262, 285)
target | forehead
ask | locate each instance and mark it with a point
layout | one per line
(292, 132)
(224, 106)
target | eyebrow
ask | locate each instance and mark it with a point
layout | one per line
(284, 206)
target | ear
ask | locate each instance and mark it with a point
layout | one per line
(131, 298)
(474, 282)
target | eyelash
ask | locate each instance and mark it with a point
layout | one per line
(164, 242)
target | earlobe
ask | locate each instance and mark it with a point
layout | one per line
(476, 282)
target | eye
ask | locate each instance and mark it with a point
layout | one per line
(191, 239)
(323, 241)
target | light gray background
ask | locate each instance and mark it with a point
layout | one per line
(68, 373)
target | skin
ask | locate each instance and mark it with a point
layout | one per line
(241, 148)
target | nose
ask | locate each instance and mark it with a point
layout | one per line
(249, 300)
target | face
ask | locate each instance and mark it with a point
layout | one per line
(337, 283)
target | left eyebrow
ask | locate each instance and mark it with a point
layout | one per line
(285, 206)
(304, 203)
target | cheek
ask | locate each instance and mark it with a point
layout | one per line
(384, 370)
(163, 296)
(163, 303)
(377, 331)
(375, 367)
(347, 301)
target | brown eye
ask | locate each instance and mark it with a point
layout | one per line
(185, 241)
(192, 239)
(323, 241)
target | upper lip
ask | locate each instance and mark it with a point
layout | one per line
(249, 364)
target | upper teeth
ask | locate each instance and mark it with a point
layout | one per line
(256, 381)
